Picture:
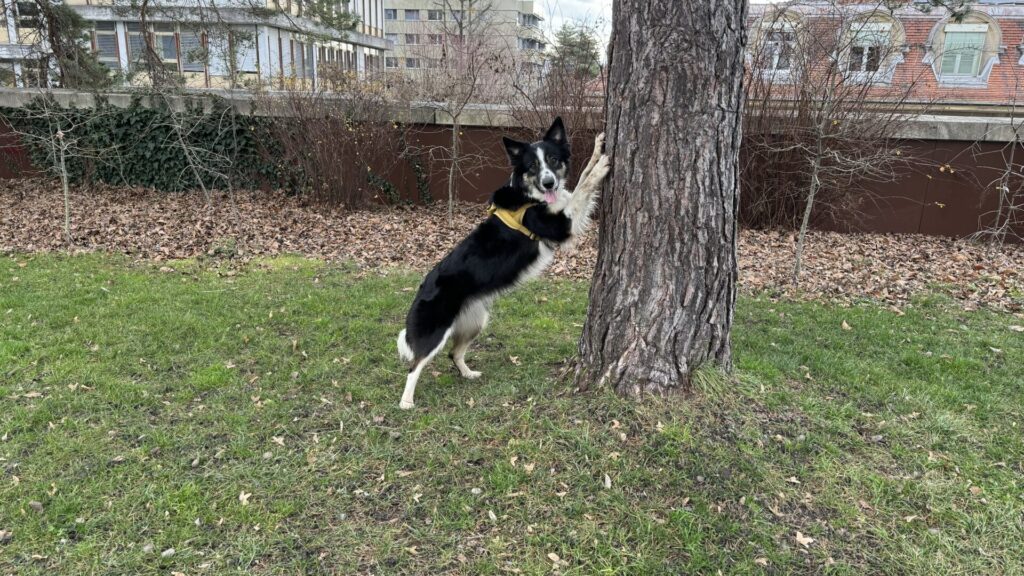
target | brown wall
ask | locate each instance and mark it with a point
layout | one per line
(950, 193)
(486, 167)
(932, 199)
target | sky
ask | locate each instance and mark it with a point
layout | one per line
(596, 13)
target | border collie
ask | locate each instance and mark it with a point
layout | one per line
(530, 217)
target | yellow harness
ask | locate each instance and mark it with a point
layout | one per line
(513, 218)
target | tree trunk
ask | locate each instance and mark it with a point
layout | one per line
(453, 169)
(805, 223)
(664, 288)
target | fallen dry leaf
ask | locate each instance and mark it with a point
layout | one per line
(889, 268)
(804, 541)
(243, 497)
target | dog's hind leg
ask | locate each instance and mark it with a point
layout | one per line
(407, 402)
(468, 325)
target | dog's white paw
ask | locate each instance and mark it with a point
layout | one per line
(404, 405)
(599, 142)
(601, 169)
(471, 374)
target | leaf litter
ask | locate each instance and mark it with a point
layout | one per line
(149, 225)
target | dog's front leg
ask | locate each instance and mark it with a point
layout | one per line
(598, 150)
(584, 199)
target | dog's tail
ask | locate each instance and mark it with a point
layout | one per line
(404, 350)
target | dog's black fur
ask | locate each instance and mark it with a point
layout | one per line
(455, 296)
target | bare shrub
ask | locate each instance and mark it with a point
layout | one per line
(824, 111)
(337, 147)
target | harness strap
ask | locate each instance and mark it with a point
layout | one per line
(513, 218)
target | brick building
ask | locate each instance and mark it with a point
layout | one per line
(974, 58)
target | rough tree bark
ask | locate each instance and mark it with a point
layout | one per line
(661, 303)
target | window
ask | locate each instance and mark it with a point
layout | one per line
(779, 45)
(964, 46)
(530, 44)
(412, 39)
(104, 41)
(434, 38)
(244, 44)
(309, 61)
(434, 15)
(390, 62)
(166, 44)
(28, 15)
(7, 77)
(870, 43)
(136, 45)
(412, 15)
(529, 20)
(390, 14)
(193, 53)
(391, 37)
(412, 62)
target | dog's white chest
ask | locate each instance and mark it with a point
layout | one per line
(544, 258)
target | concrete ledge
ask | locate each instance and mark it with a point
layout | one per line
(943, 127)
(964, 128)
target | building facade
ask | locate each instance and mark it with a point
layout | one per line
(232, 43)
(420, 30)
(931, 55)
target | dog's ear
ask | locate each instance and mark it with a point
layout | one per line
(515, 149)
(556, 134)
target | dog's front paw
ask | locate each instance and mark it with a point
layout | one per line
(405, 405)
(471, 374)
(599, 142)
(601, 169)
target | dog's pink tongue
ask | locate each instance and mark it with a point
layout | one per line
(550, 197)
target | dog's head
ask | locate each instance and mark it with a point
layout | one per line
(540, 169)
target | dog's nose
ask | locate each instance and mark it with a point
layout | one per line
(549, 183)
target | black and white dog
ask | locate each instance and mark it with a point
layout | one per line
(530, 217)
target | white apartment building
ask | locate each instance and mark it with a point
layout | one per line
(210, 44)
(419, 29)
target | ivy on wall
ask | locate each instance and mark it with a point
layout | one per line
(151, 145)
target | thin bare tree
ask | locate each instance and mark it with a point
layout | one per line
(825, 111)
(468, 62)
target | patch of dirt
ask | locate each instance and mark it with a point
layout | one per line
(158, 226)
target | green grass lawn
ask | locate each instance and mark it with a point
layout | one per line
(248, 420)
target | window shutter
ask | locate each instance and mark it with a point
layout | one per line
(191, 52)
(106, 45)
